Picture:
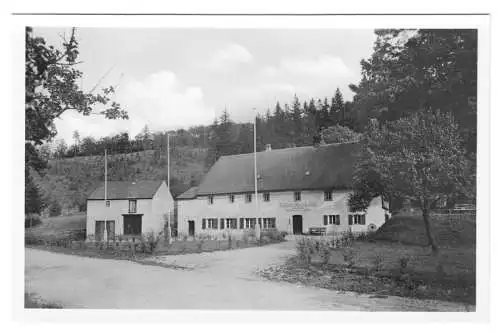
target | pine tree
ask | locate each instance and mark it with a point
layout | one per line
(296, 114)
(337, 109)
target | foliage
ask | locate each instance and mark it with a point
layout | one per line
(305, 249)
(150, 240)
(349, 256)
(378, 262)
(339, 134)
(427, 69)
(33, 198)
(51, 88)
(274, 235)
(419, 158)
(54, 209)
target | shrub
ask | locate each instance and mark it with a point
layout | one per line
(403, 263)
(325, 251)
(32, 220)
(272, 235)
(349, 257)
(377, 263)
(199, 243)
(245, 237)
(54, 209)
(305, 249)
(229, 240)
(284, 234)
(150, 241)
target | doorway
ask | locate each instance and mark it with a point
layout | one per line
(297, 224)
(191, 228)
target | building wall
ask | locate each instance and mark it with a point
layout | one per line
(162, 204)
(281, 206)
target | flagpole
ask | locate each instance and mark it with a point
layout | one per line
(105, 176)
(257, 227)
(168, 160)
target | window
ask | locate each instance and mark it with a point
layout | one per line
(107, 204)
(222, 223)
(231, 198)
(132, 206)
(212, 223)
(328, 195)
(331, 220)
(210, 199)
(297, 196)
(209, 223)
(357, 219)
(231, 223)
(267, 197)
(269, 223)
(248, 198)
(247, 223)
(260, 223)
(242, 223)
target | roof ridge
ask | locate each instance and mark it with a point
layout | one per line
(288, 148)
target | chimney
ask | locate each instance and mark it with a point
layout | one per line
(268, 147)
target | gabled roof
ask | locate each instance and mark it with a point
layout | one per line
(300, 168)
(127, 190)
(188, 194)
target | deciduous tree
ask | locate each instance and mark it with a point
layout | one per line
(419, 158)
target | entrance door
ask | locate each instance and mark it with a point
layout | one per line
(99, 230)
(191, 227)
(297, 224)
(132, 225)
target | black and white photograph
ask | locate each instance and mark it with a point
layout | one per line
(254, 165)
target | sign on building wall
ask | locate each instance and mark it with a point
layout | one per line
(298, 206)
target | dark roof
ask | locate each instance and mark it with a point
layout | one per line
(189, 194)
(300, 168)
(127, 189)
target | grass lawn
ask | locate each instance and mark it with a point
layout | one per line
(62, 227)
(376, 265)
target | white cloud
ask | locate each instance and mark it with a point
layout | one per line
(158, 101)
(322, 66)
(229, 56)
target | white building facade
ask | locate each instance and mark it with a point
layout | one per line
(316, 209)
(299, 191)
(130, 209)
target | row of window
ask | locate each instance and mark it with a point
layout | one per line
(358, 219)
(132, 205)
(232, 223)
(297, 196)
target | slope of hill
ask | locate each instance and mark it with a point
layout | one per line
(69, 181)
(449, 231)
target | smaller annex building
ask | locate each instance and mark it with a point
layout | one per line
(300, 189)
(131, 208)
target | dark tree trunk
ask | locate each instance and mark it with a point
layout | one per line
(430, 237)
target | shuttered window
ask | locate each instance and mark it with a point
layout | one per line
(331, 220)
(222, 223)
(203, 224)
(357, 219)
(242, 223)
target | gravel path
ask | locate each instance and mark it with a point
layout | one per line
(220, 280)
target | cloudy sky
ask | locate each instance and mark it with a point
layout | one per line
(170, 78)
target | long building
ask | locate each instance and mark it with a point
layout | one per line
(299, 189)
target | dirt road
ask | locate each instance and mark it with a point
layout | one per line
(220, 280)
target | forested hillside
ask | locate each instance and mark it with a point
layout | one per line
(66, 183)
